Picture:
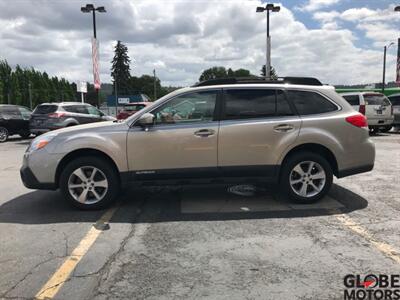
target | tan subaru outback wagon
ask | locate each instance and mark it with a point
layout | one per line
(294, 132)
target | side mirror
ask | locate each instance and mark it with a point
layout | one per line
(146, 120)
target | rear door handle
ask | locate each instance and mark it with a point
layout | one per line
(204, 132)
(283, 127)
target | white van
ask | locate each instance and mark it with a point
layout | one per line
(375, 106)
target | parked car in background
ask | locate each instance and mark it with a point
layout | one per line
(294, 132)
(50, 116)
(395, 100)
(375, 106)
(14, 119)
(130, 109)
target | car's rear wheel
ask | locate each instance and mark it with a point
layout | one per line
(386, 128)
(89, 183)
(306, 177)
(3, 134)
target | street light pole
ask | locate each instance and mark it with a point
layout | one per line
(155, 88)
(30, 95)
(384, 66)
(87, 9)
(268, 8)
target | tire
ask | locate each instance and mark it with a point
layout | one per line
(82, 191)
(386, 128)
(296, 184)
(25, 134)
(3, 134)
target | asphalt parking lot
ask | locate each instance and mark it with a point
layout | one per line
(198, 242)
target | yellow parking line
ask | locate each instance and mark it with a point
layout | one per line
(383, 247)
(53, 285)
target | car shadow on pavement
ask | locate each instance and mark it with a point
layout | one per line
(178, 204)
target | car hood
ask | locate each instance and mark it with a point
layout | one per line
(92, 127)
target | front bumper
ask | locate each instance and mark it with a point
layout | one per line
(30, 181)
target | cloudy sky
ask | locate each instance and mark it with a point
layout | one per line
(338, 41)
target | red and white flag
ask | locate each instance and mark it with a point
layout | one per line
(95, 59)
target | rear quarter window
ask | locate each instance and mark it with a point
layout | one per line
(45, 109)
(352, 99)
(310, 103)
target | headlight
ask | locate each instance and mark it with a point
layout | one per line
(41, 142)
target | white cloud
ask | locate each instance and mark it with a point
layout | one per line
(313, 5)
(180, 44)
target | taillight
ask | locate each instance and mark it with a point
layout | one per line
(56, 115)
(357, 120)
(362, 109)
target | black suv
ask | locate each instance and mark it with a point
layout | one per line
(14, 119)
(50, 116)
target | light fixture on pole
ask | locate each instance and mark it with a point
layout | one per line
(87, 9)
(269, 7)
(384, 65)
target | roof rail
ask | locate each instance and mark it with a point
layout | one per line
(260, 80)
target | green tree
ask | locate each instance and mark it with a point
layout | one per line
(274, 75)
(5, 78)
(213, 73)
(120, 69)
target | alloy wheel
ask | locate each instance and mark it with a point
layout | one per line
(307, 179)
(3, 134)
(88, 185)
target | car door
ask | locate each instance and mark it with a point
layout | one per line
(94, 114)
(257, 125)
(82, 114)
(26, 114)
(182, 143)
(14, 119)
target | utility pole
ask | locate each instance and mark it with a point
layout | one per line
(30, 95)
(155, 87)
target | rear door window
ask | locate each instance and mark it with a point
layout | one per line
(45, 109)
(352, 99)
(255, 103)
(309, 103)
(26, 113)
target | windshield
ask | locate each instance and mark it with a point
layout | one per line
(372, 99)
(155, 103)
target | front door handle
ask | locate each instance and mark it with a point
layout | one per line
(283, 127)
(204, 132)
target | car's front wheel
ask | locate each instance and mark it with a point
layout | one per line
(3, 134)
(306, 177)
(89, 183)
(25, 134)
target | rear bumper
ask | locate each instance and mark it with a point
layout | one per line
(355, 170)
(30, 181)
(378, 122)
